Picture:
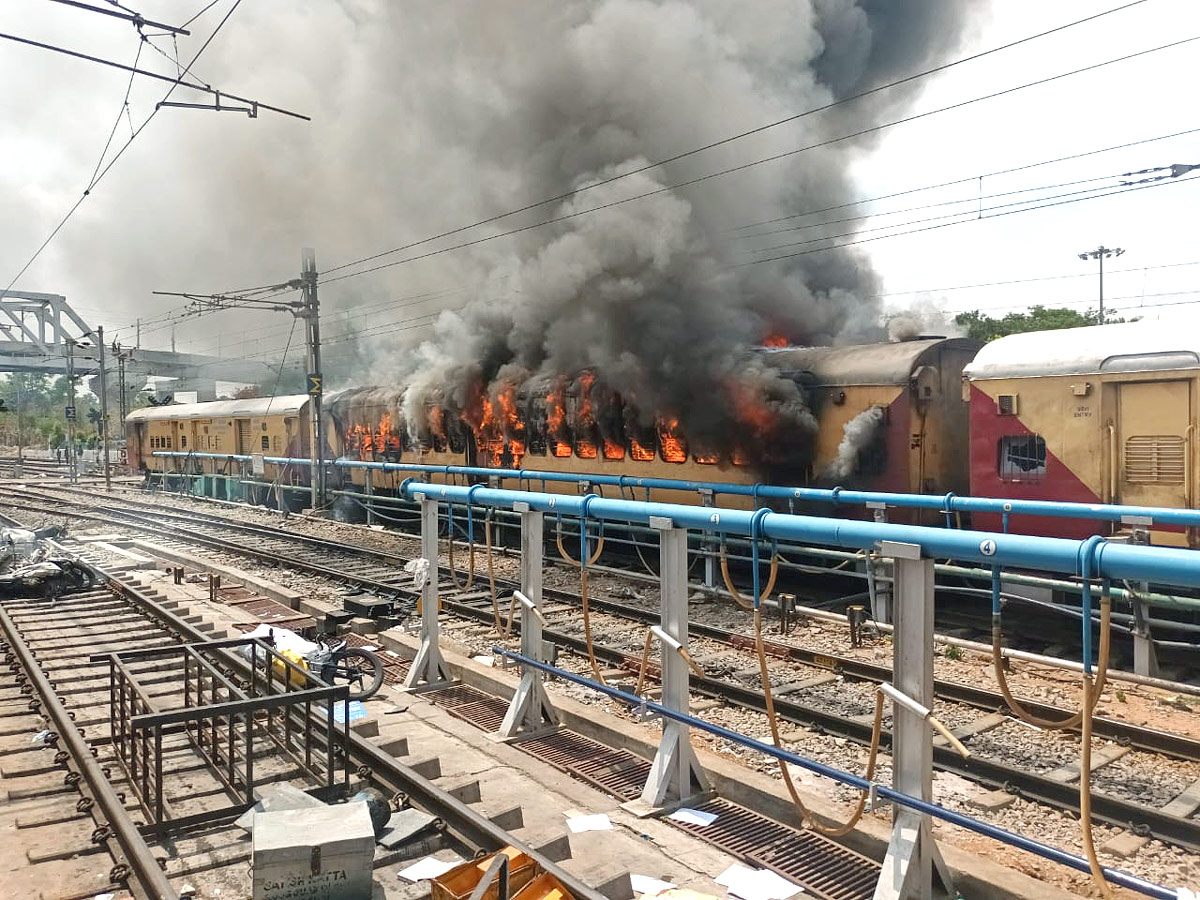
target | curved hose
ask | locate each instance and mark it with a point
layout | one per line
(1085, 790)
(583, 586)
(1089, 704)
(733, 591)
(806, 816)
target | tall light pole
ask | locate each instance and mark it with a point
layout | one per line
(1101, 253)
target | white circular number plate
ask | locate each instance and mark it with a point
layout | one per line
(988, 547)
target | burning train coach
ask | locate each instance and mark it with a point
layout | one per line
(886, 416)
(1105, 414)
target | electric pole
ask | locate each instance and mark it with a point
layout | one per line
(103, 408)
(69, 412)
(1101, 253)
(310, 312)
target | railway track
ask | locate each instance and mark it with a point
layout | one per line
(99, 818)
(799, 674)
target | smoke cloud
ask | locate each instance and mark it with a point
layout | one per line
(860, 433)
(435, 113)
(651, 294)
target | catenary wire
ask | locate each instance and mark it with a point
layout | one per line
(119, 153)
(753, 163)
(728, 140)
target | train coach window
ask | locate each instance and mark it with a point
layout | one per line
(1022, 458)
(183, 442)
(266, 442)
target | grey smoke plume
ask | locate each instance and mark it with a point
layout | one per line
(647, 294)
(858, 434)
(430, 114)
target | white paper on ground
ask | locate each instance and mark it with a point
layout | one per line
(484, 660)
(644, 884)
(693, 816)
(429, 867)
(597, 822)
(1185, 894)
(757, 884)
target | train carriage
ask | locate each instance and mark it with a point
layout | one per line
(270, 426)
(1099, 414)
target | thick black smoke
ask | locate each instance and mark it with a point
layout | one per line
(649, 294)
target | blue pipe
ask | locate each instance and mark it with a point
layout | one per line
(947, 503)
(1115, 876)
(1116, 561)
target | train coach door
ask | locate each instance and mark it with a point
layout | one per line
(1153, 443)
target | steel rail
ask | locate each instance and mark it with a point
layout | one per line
(470, 826)
(142, 863)
(1180, 831)
(1153, 740)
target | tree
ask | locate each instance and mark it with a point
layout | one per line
(981, 327)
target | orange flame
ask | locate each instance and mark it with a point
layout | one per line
(774, 339)
(585, 421)
(707, 459)
(640, 453)
(613, 450)
(673, 448)
(437, 427)
(480, 417)
(556, 416)
(513, 427)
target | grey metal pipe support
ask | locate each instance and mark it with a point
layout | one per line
(141, 861)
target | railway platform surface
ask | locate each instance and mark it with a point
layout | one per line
(436, 735)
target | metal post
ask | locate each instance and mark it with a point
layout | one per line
(20, 439)
(530, 709)
(427, 669)
(675, 774)
(103, 408)
(369, 490)
(912, 855)
(72, 467)
(710, 562)
(310, 312)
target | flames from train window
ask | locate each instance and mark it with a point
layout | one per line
(502, 423)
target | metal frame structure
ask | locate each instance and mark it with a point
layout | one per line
(912, 857)
(530, 710)
(428, 669)
(220, 721)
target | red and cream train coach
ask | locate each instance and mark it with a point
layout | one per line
(1104, 414)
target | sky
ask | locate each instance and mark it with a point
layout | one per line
(421, 125)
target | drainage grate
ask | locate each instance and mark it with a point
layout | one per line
(394, 667)
(619, 772)
(825, 869)
(455, 695)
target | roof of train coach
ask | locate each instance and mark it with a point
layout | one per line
(1126, 347)
(892, 362)
(217, 409)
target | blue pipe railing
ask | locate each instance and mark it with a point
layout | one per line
(1054, 854)
(1093, 557)
(943, 503)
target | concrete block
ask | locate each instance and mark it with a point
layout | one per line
(277, 798)
(314, 854)
(466, 793)
(430, 768)
(404, 826)
(508, 819)
(395, 747)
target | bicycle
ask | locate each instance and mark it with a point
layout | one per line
(332, 660)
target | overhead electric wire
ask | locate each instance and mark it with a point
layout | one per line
(971, 216)
(966, 179)
(987, 284)
(174, 80)
(748, 165)
(976, 200)
(97, 179)
(1122, 190)
(127, 15)
(736, 137)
